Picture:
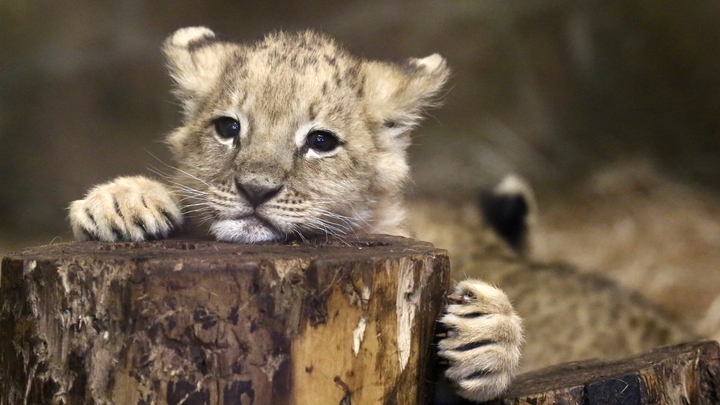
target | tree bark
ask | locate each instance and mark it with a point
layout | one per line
(187, 322)
(683, 374)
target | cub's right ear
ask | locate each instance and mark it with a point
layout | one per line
(399, 93)
(195, 59)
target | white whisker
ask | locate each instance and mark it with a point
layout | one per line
(348, 222)
(191, 212)
(300, 234)
(178, 170)
(197, 204)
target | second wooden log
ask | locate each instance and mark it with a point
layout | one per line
(683, 374)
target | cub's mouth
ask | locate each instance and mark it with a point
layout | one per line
(246, 229)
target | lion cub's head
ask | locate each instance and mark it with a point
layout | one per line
(292, 135)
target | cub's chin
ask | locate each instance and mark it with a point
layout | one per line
(245, 230)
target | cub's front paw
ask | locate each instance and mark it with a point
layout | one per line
(125, 209)
(482, 344)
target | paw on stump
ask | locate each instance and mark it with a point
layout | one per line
(323, 322)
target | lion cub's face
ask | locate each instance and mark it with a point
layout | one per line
(292, 135)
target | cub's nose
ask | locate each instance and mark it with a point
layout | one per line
(257, 194)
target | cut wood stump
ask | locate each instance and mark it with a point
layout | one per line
(188, 322)
(686, 374)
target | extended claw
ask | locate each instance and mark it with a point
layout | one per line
(456, 298)
(465, 298)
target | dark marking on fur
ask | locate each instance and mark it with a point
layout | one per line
(90, 217)
(242, 100)
(472, 315)
(117, 208)
(354, 162)
(360, 92)
(325, 88)
(507, 215)
(293, 85)
(351, 73)
(474, 345)
(202, 42)
(331, 60)
(309, 61)
(479, 374)
(251, 126)
(312, 113)
(262, 45)
(236, 68)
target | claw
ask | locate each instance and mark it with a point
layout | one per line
(447, 334)
(458, 299)
(461, 299)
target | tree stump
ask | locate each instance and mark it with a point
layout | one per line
(683, 374)
(188, 322)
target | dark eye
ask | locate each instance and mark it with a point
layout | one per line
(322, 141)
(227, 127)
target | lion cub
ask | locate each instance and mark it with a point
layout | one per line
(292, 137)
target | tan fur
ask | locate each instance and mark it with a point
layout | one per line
(648, 231)
(267, 182)
(567, 315)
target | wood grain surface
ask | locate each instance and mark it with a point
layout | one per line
(190, 322)
(683, 374)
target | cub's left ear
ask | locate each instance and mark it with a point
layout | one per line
(400, 93)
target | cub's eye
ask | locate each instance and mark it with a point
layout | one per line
(227, 127)
(322, 141)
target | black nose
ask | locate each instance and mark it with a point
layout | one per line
(257, 194)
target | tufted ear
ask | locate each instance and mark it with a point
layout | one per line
(400, 93)
(195, 60)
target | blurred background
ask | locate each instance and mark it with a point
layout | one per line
(610, 109)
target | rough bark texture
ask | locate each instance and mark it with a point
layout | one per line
(183, 322)
(682, 374)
